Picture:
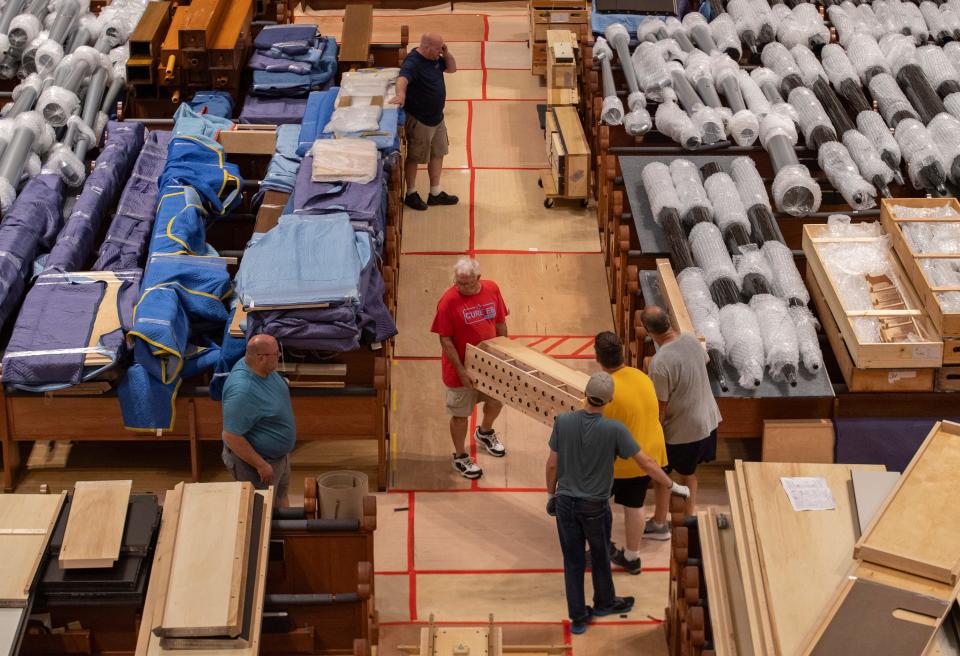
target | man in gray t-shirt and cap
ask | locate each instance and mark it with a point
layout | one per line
(583, 447)
(688, 411)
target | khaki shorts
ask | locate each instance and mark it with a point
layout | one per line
(462, 400)
(244, 473)
(425, 142)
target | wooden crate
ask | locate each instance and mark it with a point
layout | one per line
(538, 29)
(567, 152)
(561, 59)
(947, 380)
(538, 62)
(865, 380)
(928, 352)
(948, 323)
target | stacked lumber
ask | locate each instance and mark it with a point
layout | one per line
(209, 572)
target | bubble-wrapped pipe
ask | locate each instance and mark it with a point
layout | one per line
(724, 33)
(676, 124)
(816, 31)
(695, 205)
(787, 281)
(51, 50)
(699, 31)
(945, 130)
(874, 129)
(10, 9)
(651, 29)
(753, 194)
(752, 95)
(778, 59)
(893, 105)
(869, 21)
(658, 185)
(728, 209)
(25, 95)
(931, 14)
(726, 77)
(780, 342)
(844, 175)
(612, 107)
(845, 23)
(678, 33)
(922, 96)
(816, 126)
(697, 68)
(916, 23)
(711, 255)
(30, 133)
(704, 313)
(769, 83)
(938, 70)
(833, 107)
(651, 74)
(844, 78)
(120, 55)
(924, 159)
(745, 21)
(866, 57)
(809, 66)
(754, 271)
(767, 29)
(617, 35)
(807, 341)
(871, 167)
(794, 190)
(59, 103)
(899, 50)
(686, 94)
(743, 343)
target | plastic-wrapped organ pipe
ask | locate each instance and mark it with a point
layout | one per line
(844, 77)
(678, 33)
(810, 19)
(704, 313)
(807, 341)
(866, 57)
(686, 94)
(754, 272)
(651, 29)
(945, 130)
(952, 51)
(743, 126)
(651, 73)
(25, 95)
(845, 23)
(745, 21)
(918, 91)
(766, 28)
(780, 342)
(59, 103)
(809, 66)
(728, 211)
(893, 105)
(816, 126)
(787, 281)
(699, 73)
(931, 14)
(119, 57)
(10, 9)
(832, 106)
(660, 190)
(30, 133)
(695, 206)
(844, 175)
(939, 70)
(753, 194)
(676, 124)
(699, 31)
(950, 16)
(50, 52)
(867, 158)
(874, 129)
(711, 255)
(924, 159)
(670, 50)
(724, 33)
(778, 59)
(769, 83)
(869, 21)
(753, 95)
(617, 35)
(916, 22)
(743, 343)
(637, 122)
(794, 191)
(611, 111)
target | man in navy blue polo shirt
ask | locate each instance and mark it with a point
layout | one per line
(422, 93)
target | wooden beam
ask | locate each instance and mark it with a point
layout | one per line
(357, 34)
(94, 533)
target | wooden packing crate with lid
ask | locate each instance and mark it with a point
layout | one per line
(567, 152)
(927, 352)
(946, 322)
(562, 54)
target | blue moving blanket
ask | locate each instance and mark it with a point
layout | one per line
(214, 103)
(317, 115)
(282, 171)
(273, 111)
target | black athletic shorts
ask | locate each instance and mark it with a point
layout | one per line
(630, 492)
(684, 458)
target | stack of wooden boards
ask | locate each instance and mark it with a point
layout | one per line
(525, 379)
(568, 154)
(563, 53)
(546, 15)
(772, 580)
(207, 585)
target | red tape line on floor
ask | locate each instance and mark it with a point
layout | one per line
(411, 564)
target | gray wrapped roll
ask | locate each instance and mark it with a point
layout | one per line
(743, 343)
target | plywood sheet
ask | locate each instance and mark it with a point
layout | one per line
(509, 56)
(466, 52)
(26, 521)
(386, 29)
(646, 639)
(455, 117)
(10, 625)
(918, 528)
(98, 513)
(520, 140)
(442, 228)
(423, 280)
(508, 28)
(509, 215)
(805, 556)
(515, 85)
(527, 450)
(870, 491)
(464, 85)
(393, 597)
(391, 532)
(207, 576)
(798, 440)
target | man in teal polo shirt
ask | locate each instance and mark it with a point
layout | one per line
(259, 430)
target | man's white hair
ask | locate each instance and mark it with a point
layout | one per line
(466, 266)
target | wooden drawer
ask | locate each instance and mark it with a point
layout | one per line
(538, 31)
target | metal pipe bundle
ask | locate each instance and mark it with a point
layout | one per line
(695, 206)
(711, 255)
(753, 193)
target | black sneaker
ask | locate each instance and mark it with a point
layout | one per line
(413, 201)
(620, 559)
(620, 606)
(579, 627)
(443, 198)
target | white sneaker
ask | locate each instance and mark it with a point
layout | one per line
(467, 467)
(490, 442)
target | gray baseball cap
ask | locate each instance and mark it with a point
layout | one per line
(600, 387)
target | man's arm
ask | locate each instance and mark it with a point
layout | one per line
(449, 60)
(450, 350)
(663, 411)
(551, 472)
(401, 96)
(501, 329)
(243, 450)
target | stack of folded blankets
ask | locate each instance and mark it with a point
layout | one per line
(288, 62)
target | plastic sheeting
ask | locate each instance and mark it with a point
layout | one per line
(787, 281)
(704, 313)
(710, 254)
(676, 124)
(743, 343)
(843, 173)
(780, 343)
(924, 159)
(658, 185)
(690, 190)
(728, 208)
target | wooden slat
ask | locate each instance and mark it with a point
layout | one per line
(21, 553)
(539, 361)
(724, 607)
(160, 573)
(204, 595)
(673, 299)
(918, 528)
(357, 33)
(94, 530)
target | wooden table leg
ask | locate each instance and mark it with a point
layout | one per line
(194, 442)
(9, 448)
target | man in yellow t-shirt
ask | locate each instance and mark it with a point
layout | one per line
(635, 405)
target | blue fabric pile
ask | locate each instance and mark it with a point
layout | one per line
(319, 109)
(184, 286)
(215, 103)
(282, 171)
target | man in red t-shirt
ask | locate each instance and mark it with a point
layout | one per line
(471, 311)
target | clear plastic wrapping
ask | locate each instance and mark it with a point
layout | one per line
(750, 261)
(933, 237)
(745, 19)
(837, 65)
(699, 31)
(637, 122)
(778, 59)
(945, 130)
(867, 158)
(611, 111)
(728, 209)
(866, 56)
(934, 19)
(795, 191)
(744, 127)
(952, 51)
(899, 49)
(44, 136)
(811, 114)
(844, 175)
(354, 118)
(809, 65)
(780, 343)
(944, 273)
(869, 20)
(670, 50)
(936, 66)
(710, 253)
(697, 68)
(704, 313)
(890, 21)
(725, 35)
(952, 103)
(57, 105)
(845, 22)
(651, 29)
(602, 50)
(709, 124)
(752, 95)
(874, 129)
(689, 188)
(743, 344)
(893, 105)
(674, 122)
(920, 152)
(808, 343)
(749, 183)
(787, 281)
(915, 22)
(769, 83)
(678, 33)
(659, 188)
(651, 74)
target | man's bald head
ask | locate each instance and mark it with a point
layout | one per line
(431, 45)
(655, 320)
(262, 344)
(263, 352)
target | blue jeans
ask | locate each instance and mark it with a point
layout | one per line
(581, 521)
